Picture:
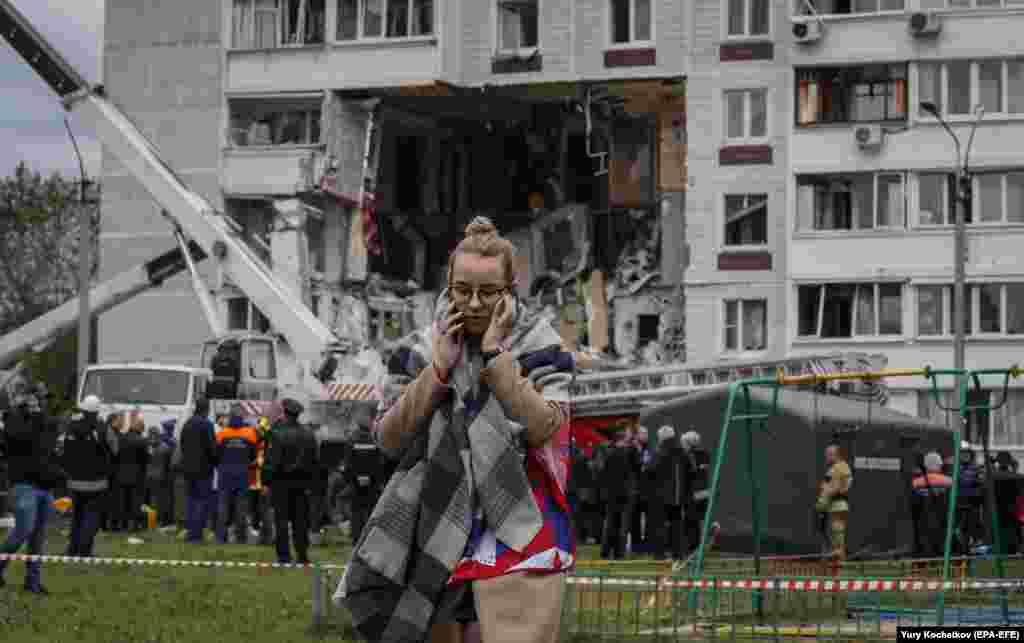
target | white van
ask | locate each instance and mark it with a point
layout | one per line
(159, 391)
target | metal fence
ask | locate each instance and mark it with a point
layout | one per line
(609, 603)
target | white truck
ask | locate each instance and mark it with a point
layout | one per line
(310, 362)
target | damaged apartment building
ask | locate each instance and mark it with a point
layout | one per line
(394, 123)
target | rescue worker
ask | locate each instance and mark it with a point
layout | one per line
(90, 448)
(258, 501)
(931, 490)
(226, 367)
(237, 446)
(671, 494)
(833, 499)
(34, 471)
(198, 459)
(698, 466)
(291, 463)
(362, 473)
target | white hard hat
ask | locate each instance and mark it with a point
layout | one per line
(91, 404)
(665, 433)
(933, 461)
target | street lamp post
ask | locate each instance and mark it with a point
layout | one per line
(961, 207)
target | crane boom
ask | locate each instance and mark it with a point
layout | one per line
(103, 297)
(307, 336)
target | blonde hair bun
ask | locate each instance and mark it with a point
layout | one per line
(481, 226)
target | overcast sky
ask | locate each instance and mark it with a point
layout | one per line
(31, 116)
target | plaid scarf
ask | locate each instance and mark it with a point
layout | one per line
(420, 527)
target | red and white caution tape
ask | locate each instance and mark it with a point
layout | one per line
(806, 585)
(772, 584)
(153, 562)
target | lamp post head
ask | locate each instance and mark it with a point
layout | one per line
(930, 107)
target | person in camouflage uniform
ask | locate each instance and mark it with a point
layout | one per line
(833, 499)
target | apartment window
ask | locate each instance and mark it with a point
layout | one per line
(955, 86)
(745, 324)
(264, 123)
(630, 21)
(870, 94)
(992, 309)
(746, 115)
(861, 201)
(746, 219)
(748, 18)
(265, 24)
(517, 25)
(243, 315)
(384, 19)
(850, 310)
(935, 193)
(999, 197)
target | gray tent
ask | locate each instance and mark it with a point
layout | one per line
(788, 457)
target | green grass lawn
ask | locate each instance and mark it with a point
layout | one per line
(150, 604)
(133, 604)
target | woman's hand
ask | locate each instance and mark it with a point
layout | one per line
(447, 342)
(501, 324)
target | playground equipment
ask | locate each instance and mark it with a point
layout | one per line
(741, 407)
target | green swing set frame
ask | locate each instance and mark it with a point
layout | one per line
(739, 394)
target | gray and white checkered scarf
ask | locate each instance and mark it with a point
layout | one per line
(420, 527)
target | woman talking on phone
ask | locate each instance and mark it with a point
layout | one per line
(472, 539)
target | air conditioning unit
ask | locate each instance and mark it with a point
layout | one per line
(807, 32)
(868, 137)
(922, 24)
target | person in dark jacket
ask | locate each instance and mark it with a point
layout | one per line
(34, 471)
(640, 514)
(237, 445)
(132, 462)
(160, 475)
(362, 472)
(670, 494)
(290, 466)
(588, 509)
(696, 503)
(198, 459)
(619, 480)
(90, 449)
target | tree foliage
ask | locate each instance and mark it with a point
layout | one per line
(39, 256)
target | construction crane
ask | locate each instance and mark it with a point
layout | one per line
(41, 331)
(315, 354)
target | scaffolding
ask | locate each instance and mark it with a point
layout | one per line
(741, 409)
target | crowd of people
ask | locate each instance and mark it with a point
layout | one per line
(240, 477)
(628, 495)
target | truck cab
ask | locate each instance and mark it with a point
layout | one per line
(243, 366)
(159, 391)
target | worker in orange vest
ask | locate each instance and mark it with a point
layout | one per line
(237, 446)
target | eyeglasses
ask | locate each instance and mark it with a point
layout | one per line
(487, 295)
